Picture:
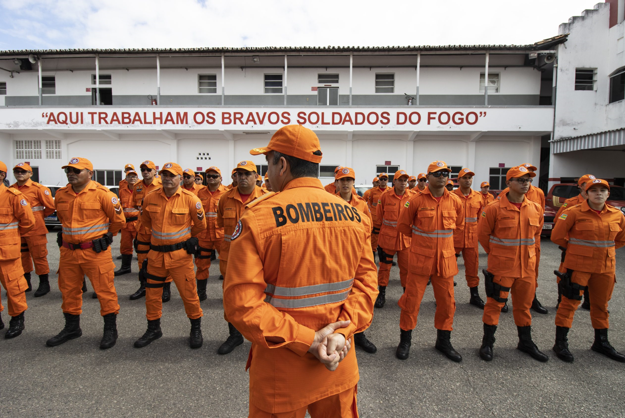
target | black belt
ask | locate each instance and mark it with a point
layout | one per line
(375, 231)
(161, 280)
(137, 243)
(205, 250)
(168, 248)
(132, 219)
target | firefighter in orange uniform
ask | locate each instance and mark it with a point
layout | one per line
(34, 242)
(199, 179)
(508, 231)
(212, 238)
(331, 187)
(374, 197)
(129, 231)
(487, 197)
(233, 176)
(421, 182)
(450, 185)
(16, 218)
(188, 181)
(294, 332)
(591, 232)
(123, 183)
(142, 241)
(229, 211)
(465, 240)
(90, 214)
(412, 182)
(367, 193)
(431, 217)
(175, 216)
(391, 241)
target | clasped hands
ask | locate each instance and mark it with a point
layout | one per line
(330, 348)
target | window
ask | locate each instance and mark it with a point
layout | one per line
(48, 85)
(262, 169)
(585, 78)
(388, 169)
(328, 96)
(104, 79)
(455, 170)
(328, 78)
(108, 177)
(326, 170)
(53, 149)
(3, 88)
(385, 83)
(493, 83)
(617, 85)
(207, 83)
(27, 150)
(497, 178)
(105, 95)
(273, 83)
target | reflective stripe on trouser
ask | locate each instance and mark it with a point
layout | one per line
(410, 301)
(600, 287)
(341, 405)
(471, 265)
(99, 268)
(203, 264)
(125, 244)
(37, 249)
(183, 275)
(14, 283)
(384, 270)
(141, 247)
(522, 289)
(537, 247)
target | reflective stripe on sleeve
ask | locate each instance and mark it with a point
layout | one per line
(12, 225)
(38, 208)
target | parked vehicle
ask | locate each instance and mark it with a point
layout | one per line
(362, 188)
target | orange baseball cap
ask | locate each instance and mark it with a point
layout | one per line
(80, 163)
(337, 169)
(465, 172)
(215, 169)
(128, 167)
(345, 172)
(585, 179)
(438, 166)
(131, 172)
(189, 172)
(148, 164)
(173, 168)
(421, 176)
(449, 182)
(529, 166)
(247, 166)
(596, 182)
(23, 166)
(519, 171)
(412, 178)
(399, 174)
(485, 184)
(295, 141)
(382, 175)
(3, 167)
(375, 179)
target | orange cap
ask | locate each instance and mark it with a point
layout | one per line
(23, 166)
(172, 168)
(295, 141)
(148, 164)
(247, 166)
(399, 174)
(129, 167)
(519, 171)
(189, 172)
(382, 175)
(375, 179)
(3, 167)
(131, 172)
(80, 163)
(345, 172)
(465, 172)
(421, 176)
(596, 182)
(234, 170)
(412, 178)
(585, 179)
(449, 182)
(438, 166)
(529, 166)
(485, 184)
(212, 168)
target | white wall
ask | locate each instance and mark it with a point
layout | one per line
(456, 81)
(603, 164)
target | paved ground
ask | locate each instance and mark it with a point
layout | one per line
(169, 379)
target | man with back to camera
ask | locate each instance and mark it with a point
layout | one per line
(188, 181)
(301, 358)
(129, 231)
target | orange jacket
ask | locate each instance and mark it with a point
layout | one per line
(139, 192)
(330, 188)
(41, 203)
(366, 195)
(89, 214)
(590, 239)
(431, 225)
(210, 202)
(16, 218)
(123, 184)
(359, 203)
(374, 198)
(534, 194)
(229, 211)
(487, 198)
(472, 204)
(307, 263)
(568, 203)
(195, 189)
(509, 235)
(389, 208)
(128, 205)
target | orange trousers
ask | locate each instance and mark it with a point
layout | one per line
(14, 283)
(384, 272)
(341, 405)
(143, 249)
(182, 273)
(471, 259)
(374, 238)
(537, 247)
(203, 264)
(37, 248)
(125, 244)
(410, 301)
(74, 265)
(600, 287)
(522, 289)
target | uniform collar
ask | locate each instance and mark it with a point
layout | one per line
(510, 205)
(459, 193)
(304, 182)
(606, 208)
(446, 192)
(178, 192)
(28, 183)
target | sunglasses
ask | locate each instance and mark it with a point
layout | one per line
(422, 180)
(69, 170)
(523, 181)
(188, 177)
(146, 170)
(212, 176)
(440, 174)
(19, 172)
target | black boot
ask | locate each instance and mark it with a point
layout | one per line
(443, 344)
(361, 341)
(16, 326)
(403, 349)
(381, 300)
(586, 302)
(561, 347)
(140, 292)
(84, 285)
(44, 286)
(538, 307)
(504, 308)
(603, 346)
(125, 268)
(233, 340)
(27, 277)
(72, 330)
(94, 295)
(120, 257)
(526, 344)
(221, 277)
(195, 341)
(153, 333)
(486, 350)
(166, 292)
(476, 300)
(1, 323)
(110, 331)
(201, 289)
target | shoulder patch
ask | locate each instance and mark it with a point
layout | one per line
(565, 205)
(407, 204)
(563, 216)
(483, 214)
(237, 231)
(46, 192)
(23, 202)
(260, 199)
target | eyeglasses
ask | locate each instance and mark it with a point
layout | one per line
(523, 181)
(422, 180)
(146, 170)
(188, 177)
(72, 170)
(19, 172)
(440, 174)
(212, 176)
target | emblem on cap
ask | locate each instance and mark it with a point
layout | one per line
(198, 205)
(23, 202)
(440, 164)
(146, 162)
(596, 181)
(114, 200)
(168, 165)
(522, 169)
(592, 177)
(243, 163)
(212, 168)
(73, 161)
(20, 165)
(345, 171)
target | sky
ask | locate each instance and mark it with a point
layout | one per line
(60, 24)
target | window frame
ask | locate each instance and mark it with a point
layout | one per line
(327, 168)
(614, 77)
(265, 81)
(328, 96)
(500, 176)
(53, 149)
(32, 152)
(386, 169)
(50, 78)
(497, 88)
(117, 176)
(200, 81)
(329, 80)
(584, 83)
(103, 82)
(3, 88)
(379, 87)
